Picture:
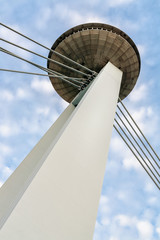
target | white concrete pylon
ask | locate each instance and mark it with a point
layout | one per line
(54, 193)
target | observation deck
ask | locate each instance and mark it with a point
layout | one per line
(92, 45)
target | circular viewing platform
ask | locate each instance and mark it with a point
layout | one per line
(93, 45)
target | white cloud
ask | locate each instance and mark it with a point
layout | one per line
(105, 221)
(122, 195)
(149, 187)
(142, 49)
(9, 96)
(139, 93)
(9, 129)
(43, 17)
(140, 114)
(31, 127)
(150, 61)
(117, 145)
(6, 172)
(54, 117)
(63, 11)
(128, 159)
(103, 205)
(146, 117)
(1, 183)
(63, 104)
(103, 200)
(125, 221)
(42, 85)
(5, 130)
(131, 163)
(43, 110)
(153, 201)
(158, 230)
(113, 238)
(149, 214)
(21, 93)
(5, 149)
(116, 3)
(93, 2)
(17, 39)
(145, 229)
(6, 95)
(36, 124)
(150, 111)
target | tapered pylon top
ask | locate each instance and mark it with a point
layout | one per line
(93, 45)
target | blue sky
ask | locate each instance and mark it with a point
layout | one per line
(129, 206)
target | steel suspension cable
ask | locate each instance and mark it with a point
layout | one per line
(57, 53)
(38, 74)
(14, 55)
(138, 144)
(138, 136)
(137, 151)
(49, 59)
(139, 129)
(38, 66)
(136, 157)
(31, 73)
